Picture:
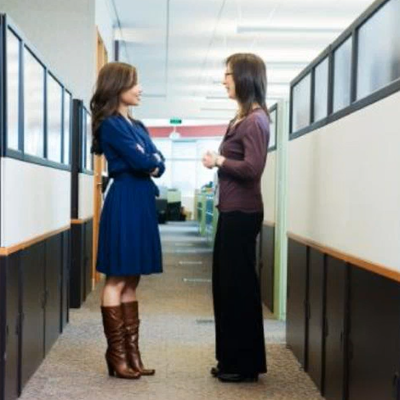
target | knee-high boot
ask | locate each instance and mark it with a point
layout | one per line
(116, 356)
(130, 313)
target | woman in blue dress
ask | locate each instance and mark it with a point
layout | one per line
(129, 240)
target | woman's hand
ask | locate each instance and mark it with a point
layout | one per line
(154, 172)
(209, 159)
(212, 159)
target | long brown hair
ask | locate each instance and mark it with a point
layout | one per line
(114, 78)
(250, 77)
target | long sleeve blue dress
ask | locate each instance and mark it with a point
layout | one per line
(129, 238)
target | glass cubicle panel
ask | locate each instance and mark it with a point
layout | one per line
(301, 104)
(33, 105)
(67, 126)
(272, 128)
(89, 156)
(13, 84)
(342, 75)
(379, 50)
(54, 119)
(321, 82)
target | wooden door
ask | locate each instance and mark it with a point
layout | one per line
(99, 168)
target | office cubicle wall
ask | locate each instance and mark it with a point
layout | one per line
(82, 206)
(273, 235)
(344, 212)
(35, 132)
(267, 237)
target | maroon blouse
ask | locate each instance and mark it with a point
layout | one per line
(245, 147)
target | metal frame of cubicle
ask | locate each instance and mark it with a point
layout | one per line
(8, 25)
(272, 251)
(47, 261)
(328, 53)
(80, 152)
(333, 290)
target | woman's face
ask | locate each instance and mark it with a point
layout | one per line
(132, 96)
(229, 83)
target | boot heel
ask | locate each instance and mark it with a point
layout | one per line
(111, 371)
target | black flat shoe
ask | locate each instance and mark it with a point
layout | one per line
(225, 377)
(214, 372)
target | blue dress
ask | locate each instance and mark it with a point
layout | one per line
(129, 238)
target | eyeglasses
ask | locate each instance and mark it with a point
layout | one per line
(228, 73)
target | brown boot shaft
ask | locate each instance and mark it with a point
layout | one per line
(116, 356)
(130, 313)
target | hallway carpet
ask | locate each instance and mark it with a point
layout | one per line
(177, 338)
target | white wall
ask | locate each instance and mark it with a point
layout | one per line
(64, 34)
(344, 185)
(35, 200)
(86, 185)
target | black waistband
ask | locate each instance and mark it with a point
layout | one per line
(134, 174)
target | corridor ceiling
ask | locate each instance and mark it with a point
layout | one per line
(179, 47)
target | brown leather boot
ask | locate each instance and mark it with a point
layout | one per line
(130, 313)
(116, 357)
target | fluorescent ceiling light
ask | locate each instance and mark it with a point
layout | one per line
(217, 109)
(288, 29)
(154, 95)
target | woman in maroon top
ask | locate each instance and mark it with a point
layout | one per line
(240, 347)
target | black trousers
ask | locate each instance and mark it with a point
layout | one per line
(240, 346)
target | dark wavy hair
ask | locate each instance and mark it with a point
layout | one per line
(250, 77)
(114, 78)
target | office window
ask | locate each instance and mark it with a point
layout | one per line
(33, 105)
(67, 126)
(301, 104)
(164, 146)
(54, 116)
(272, 129)
(321, 90)
(342, 75)
(379, 50)
(89, 156)
(166, 179)
(185, 149)
(183, 176)
(184, 169)
(13, 83)
(204, 145)
(205, 175)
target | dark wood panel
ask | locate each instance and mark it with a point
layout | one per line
(88, 257)
(53, 290)
(11, 383)
(296, 328)
(267, 271)
(77, 275)
(374, 336)
(316, 315)
(3, 285)
(33, 288)
(335, 342)
(66, 263)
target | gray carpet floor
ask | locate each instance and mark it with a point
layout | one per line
(177, 338)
